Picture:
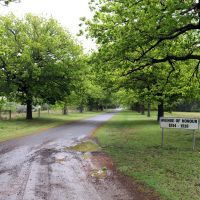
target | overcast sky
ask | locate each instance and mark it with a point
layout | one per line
(67, 12)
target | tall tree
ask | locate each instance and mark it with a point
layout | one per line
(37, 58)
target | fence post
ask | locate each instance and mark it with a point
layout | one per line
(10, 114)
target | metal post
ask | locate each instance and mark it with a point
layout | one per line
(162, 144)
(193, 140)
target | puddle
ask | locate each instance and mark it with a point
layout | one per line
(98, 164)
(87, 146)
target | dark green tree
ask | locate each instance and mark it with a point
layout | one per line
(37, 60)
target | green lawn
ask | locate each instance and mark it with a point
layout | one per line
(134, 142)
(10, 129)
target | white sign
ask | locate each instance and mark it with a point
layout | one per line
(185, 123)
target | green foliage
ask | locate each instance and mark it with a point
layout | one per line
(38, 59)
(2, 102)
(155, 55)
(135, 34)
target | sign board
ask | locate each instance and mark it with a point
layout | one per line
(184, 123)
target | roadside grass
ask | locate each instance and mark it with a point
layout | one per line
(184, 114)
(134, 142)
(14, 128)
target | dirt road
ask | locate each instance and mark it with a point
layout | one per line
(40, 166)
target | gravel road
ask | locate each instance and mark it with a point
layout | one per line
(38, 167)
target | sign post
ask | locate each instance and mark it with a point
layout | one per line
(179, 123)
(162, 144)
(193, 140)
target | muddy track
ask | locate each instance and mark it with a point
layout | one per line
(40, 167)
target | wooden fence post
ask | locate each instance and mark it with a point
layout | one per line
(9, 114)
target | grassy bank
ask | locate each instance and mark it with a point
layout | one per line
(134, 142)
(14, 128)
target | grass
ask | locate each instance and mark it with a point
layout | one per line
(185, 114)
(134, 142)
(14, 128)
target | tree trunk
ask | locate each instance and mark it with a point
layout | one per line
(81, 108)
(101, 107)
(29, 109)
(10, 113)
(149, 110)
(142, 109)
(160, 110)
(132, 107)
(138, 108)
(65, 111)
(90, 104)
(90, 108)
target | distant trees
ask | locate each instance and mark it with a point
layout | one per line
(38, 60)
(88, 92)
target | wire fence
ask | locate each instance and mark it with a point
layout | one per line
(10, 114)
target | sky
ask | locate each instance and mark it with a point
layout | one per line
(67, 12)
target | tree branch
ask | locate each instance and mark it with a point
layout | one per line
(171, 71)
(168, 58)
(171, 36)
(196, 70)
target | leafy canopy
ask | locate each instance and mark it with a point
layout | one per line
(143, 33)
(38, 59)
